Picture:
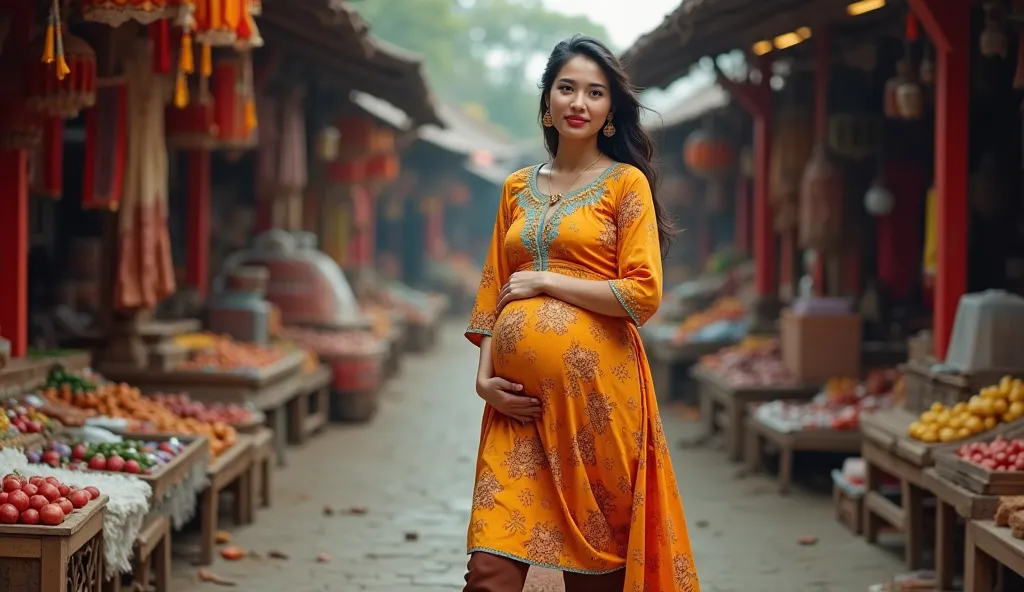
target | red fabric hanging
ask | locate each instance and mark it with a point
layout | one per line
(106, 147)
(899, 234)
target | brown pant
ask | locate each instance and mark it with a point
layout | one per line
(491, 573)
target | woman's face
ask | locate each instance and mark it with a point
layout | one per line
(580, 99)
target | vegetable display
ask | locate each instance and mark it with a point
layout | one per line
(837, 407)
(40, 500)
(17, 418)
(128, 456)
(753, 362)
(121, 401)
(185, 407)
(1001, 403)
(223, 354)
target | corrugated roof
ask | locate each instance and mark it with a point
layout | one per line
(332, 34)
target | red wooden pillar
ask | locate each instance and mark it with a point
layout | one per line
(757, 101)
(14, 249)
(197, 264)
(948, 23)
(742, 230)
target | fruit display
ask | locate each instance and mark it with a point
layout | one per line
(725, 319)
(336, 344)
(122, 401)
(993, 405)
(380, 316)
(754, 362)
(311, 361)
(39, 500)
(18, 418)
(837, 407)
(998, 455)
(128, 456)
(223, 354)
(183, 406)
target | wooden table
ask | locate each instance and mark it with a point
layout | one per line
(309, 410)
(716, 393)
(988, 547)
(231, 469)
(65, 558)
(263, 472)
(789, 443)
(152, 557)
(953, 501)
(671, 364)
(908, 517)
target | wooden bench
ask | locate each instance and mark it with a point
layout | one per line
(305, 419)
(263, 469)
(232, 469)
(988, 547)
(953, 503)
(788, 444)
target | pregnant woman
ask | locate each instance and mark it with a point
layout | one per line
(573, 470)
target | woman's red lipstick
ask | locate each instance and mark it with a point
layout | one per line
(576, 121)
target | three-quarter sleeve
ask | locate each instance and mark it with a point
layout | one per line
(639, 284)
(495, 274)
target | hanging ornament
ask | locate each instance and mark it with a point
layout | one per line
(791, 147)
(878, 200)
(708, 154)
(234, 104)
(910, 100)
(227, 23)
(52, 94)
(821, 203)
(994, 41)
(118, 12)
(891, 106)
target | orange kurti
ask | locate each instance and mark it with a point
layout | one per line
(588, 488)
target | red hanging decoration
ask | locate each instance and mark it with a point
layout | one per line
(191, 127)
(106, 146)
(234, 109)
(911, 32)
(357, 135)
(708, 155)
(346, 172)
(382, 168)
(160, 34)
(67, 96)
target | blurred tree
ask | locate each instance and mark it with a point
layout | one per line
(484, 52)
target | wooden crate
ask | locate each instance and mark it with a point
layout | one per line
(849, 509)
(976, 478)
(22, 375)
(65, 558)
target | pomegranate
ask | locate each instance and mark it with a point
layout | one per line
(51, 515)
(132, 467)
(63, 489)
(11, 483)
(30, 489)
(30, 516)
(19, 500)
(3, 497)
(49, 491)
(37, 501)
(98, 463)
(79, 498)
(9, 514)
(53, 481)
(93, 492)
(115, 464)
(37, 480)
(65, 505)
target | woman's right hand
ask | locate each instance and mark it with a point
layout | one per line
(508, 399)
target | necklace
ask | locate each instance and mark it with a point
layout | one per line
(553, 198)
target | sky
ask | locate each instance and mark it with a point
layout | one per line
(624, 26)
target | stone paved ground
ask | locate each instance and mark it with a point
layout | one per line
(412, 470)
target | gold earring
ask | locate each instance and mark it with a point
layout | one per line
(609, 129)
(547, 121)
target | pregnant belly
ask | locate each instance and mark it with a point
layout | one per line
(539, 340)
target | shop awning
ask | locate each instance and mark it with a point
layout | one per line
(701, 28)
(694, 105)
(330, 36)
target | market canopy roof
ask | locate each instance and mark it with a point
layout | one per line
(699, 28)
(695, 104)
(332, 35)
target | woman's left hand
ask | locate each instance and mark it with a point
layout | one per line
(522, 285)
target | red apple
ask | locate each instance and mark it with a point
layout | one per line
(132, 467)
(64, 490)
(30, 489)
(93, 492)
(11, 484)
(49, 491)
(37, 501)
(98, 463)
(115, 464)
(9, 514)
(79, 498)
(30, 516)
(53, 481)
(19, 500)
(51, 515)
(65, 505)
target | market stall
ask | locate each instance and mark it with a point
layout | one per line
(827, 423)
(729, 381)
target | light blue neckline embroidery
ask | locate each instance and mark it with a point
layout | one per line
(538, 235)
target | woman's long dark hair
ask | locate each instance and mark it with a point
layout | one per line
(631, 144)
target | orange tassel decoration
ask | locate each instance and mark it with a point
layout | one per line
(250, 114)
(207, 64)
(186, 61)
(181, 90)
(62, 65)
(48, 45)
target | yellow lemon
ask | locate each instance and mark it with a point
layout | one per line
(1000, 406)
(930, 436)
(960, 407)
(990, 423)
(916, 429)
(974, 424)
(928, 417)
(963, 433)
(1017, 408)
(956, 421)
(947, 434)
(937, 407)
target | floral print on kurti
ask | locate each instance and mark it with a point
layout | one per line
(588, 488)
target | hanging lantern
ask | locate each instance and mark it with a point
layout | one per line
(382, 168)
(878, 200)
(910, 100)
(708, 155)
(234, 108)
(118, 12)
(191, 127)
(357, 133)
(791, 147)
(821, 203)
(347, 172)
(327, 144)
(891, 106)
(225, 23)
(66, 96)
(994, 41)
